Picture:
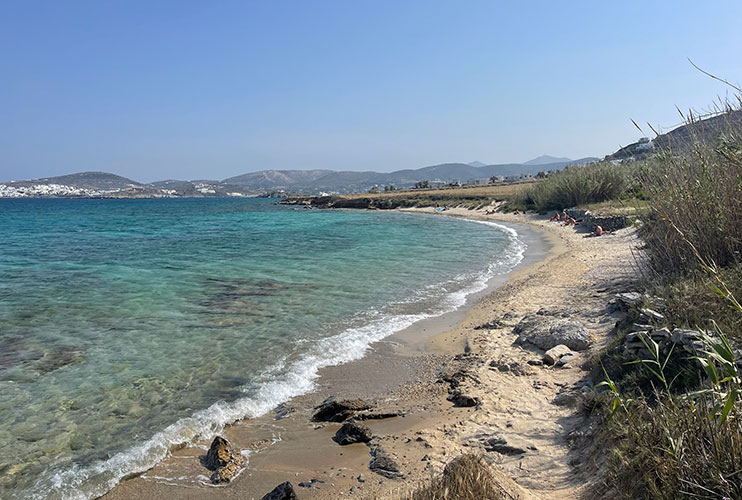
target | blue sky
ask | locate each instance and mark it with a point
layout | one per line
(207, 90)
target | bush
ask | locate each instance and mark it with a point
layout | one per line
(576, 186)
(691, 301)
(673, 449)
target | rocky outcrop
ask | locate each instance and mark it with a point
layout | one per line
(383, 464)
(332, 410)
(546, 332)
(223, 460)
(352, 432)
(283, 491)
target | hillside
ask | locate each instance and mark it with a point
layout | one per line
(679, 139)
(102, 181)
(255, 183)
(546, 159)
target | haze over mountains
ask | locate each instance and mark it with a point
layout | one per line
(299, 181)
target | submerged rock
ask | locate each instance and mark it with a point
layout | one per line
(283, 491)
(332, 410)
(352, 432)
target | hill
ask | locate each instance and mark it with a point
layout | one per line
(679, 139)
(102, 181)
(546, 159)
(255, 183)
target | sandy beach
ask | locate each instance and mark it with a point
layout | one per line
(525, 420)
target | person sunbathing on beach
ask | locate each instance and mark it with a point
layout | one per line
(569, 221)
(597, 231)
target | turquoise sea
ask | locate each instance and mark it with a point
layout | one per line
(128, 327)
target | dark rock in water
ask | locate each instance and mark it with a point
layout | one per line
(462, 400)
(500, 445)
(352, 432)
(383, 464)
(223, 459)
(283, 491)
(332, 410)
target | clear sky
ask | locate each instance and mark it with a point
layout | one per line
(211, 89)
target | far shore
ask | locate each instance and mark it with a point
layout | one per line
(524, 406)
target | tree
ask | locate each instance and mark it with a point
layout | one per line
(421, 185)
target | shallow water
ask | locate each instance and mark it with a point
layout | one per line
(130, 326)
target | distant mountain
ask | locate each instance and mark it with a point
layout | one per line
(546, 159)
(477, 164)
(102, 181)
(254, 183)
(271, 178)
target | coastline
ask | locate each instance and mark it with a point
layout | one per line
(405, 369)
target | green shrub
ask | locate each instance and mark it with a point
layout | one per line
(576, 186)
(673, 449)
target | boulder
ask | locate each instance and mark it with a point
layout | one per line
(221, 454)
(224, 460)
(352, 432)
(462, 400)
(545, 333)
(555, 354)
(566, 398)
(383, 464)
(332, 410)
(283, 491)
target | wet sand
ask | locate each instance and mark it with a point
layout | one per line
(401, 373)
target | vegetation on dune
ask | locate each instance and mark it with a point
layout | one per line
(674, 421)
(467, 477)
(575, 186)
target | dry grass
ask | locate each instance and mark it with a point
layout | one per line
(695, 198)
(495, 191)
(673, 449)
(467, 477)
